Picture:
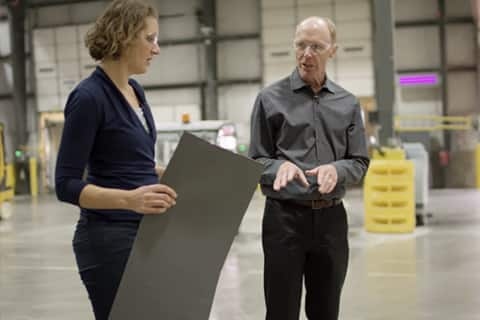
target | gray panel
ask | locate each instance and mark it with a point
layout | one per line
(239, 59)
(185, 26)
(5, 78)
(177, 257)
(175, 64)
(236, 104)
(459, 8)
(461, 49)
(236, 17)
(462, 93)
(53, 16)
(4, 38)
(417, 48)
(408, 10)
(169, 7)
(87, 12)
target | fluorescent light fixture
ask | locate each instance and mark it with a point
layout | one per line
(418, 79)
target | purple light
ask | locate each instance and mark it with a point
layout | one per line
(418, 79)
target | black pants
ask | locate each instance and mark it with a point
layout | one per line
(102, 249)
(299, 244)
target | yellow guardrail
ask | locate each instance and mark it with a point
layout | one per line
(386, 153)
(413, 123)
(33, 176)
(477, 160)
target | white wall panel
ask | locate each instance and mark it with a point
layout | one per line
(278, 17)
(315, 9)
(174, 113)
(168, 105)
(67, 51)
(53, 16)
(234, 17)
(87, 11)
(191, 109)
(461, 49)
(462, 98)
(275, 72)
(278, 35)
(82, 32)
(46, 70)
(357, 10)
(67, 35)
(236, 103)
(238, 59)
(354, 49)
(169, 7)
(68, 68)
(178, 27)
(86, 68)
(273, 54)
(358, 67)
(47, 87)
(277, 3)
(361, 86)
(417, 48)
(459, 8)
(173, 97)
(44, 37)
(358, 30)
(408, 10)
(175, 64)
(45, 53)
(309, 2)
(163, 114)
(6, 78)
(4, 38)
(48, 103)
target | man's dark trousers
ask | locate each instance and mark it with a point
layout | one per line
(304, 243)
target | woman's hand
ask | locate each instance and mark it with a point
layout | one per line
(151, 199)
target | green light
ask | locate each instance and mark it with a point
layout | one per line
(18, 153)
(242, 148)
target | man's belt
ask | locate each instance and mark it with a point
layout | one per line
(317, 204)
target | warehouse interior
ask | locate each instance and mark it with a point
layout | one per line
(412, 64)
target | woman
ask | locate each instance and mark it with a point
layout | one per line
(110, 130)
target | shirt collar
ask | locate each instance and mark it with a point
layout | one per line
(297, 83)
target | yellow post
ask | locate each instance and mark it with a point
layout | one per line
(9, 183)
(33, 177)
(478, 165)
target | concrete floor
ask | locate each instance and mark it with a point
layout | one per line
(430, 274)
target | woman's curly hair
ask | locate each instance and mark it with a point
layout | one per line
(115, 29)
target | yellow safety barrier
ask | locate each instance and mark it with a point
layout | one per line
(33, 177)
(9, 183)
(415, 123)
(389, 196)
(477, 160)
(389, 154)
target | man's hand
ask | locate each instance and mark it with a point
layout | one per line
(327, 177)
(286, 173)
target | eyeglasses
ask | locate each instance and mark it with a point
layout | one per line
(152, 39)
(316, 48)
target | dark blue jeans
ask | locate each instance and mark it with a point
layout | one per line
(102, 248)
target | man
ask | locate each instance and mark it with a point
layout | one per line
(308, 133)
